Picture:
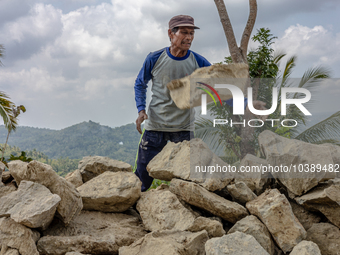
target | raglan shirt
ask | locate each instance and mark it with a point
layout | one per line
(161, 67)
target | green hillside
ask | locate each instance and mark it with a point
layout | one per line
(77, 141)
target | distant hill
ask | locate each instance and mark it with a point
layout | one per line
(77, 141)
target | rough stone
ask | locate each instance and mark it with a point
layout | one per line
(306, 248)
(91, 232)
(294, 154)
(17, 169)
(305, 217)
(325, 199)
(60, 245)
(213, 227)
(241, 193)
(326, 236)
(168, 242)
(111, 192)
(5, 190)
(17, 236)
(75, 178)
(185, 95)
(234, 244)
(256, 181)
(274, 210)
(161, 210)
(71, 202)
(178, 160)
(32, 205)
(91, 167)
(251, 225)
(196, 195)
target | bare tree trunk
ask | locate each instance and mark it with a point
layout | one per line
(235, 52)
(239, 55)
(249, 28)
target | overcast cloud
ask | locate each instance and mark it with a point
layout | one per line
(71, 61)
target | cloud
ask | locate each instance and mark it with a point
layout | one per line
(29, 34)
(315, 45)
(71, 60)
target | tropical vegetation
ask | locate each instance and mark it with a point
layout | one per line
(265, 75)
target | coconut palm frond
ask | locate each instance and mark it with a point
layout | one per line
(205, 130)
(328, 129)
(278, 56)
(6, 111)
(313, 75)
(332, 141)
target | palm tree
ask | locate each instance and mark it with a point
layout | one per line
(9, 112)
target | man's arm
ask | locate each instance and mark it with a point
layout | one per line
(141, 82)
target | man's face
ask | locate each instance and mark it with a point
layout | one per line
(183, 38)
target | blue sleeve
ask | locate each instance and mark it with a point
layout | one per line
(201, 61)
(230, 102)
(144, 77)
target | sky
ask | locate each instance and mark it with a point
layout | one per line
(69, 61)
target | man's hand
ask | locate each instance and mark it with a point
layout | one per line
(141, 117)
(259, 105)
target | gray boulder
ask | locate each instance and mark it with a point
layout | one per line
(71, 202)
(75, 178)
(168, 242)
(306, 248)
(251, 225)
(93, 233)
(91, 167)
(326, 199)
(179, 160)
(305, 217)
(111, 192)
(294, 159)
(234, 244)
(160, 209)
(6, 189)
(326, 236)
(196, 195)
(17, 236)
(32, 205)
(241, 193)
(274, 210)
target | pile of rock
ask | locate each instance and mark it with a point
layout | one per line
(99, 209)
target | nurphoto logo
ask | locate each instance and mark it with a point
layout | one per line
(239, 105)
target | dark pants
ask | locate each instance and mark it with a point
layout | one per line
(150, 145)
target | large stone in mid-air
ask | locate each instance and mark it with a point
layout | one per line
(184, 91)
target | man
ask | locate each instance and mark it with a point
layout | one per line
(164, 120)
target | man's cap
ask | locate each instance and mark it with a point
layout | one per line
(183, 21)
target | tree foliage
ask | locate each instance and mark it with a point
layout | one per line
(78, 141)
